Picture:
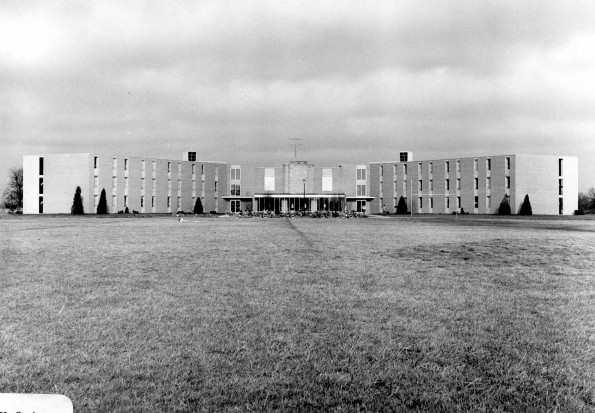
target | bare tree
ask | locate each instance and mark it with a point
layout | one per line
(13, 193)
(586, 201)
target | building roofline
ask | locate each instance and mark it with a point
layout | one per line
(124, 156)
(472, 157)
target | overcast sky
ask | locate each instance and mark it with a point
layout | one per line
(356, 81)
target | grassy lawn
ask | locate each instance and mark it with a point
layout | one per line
(226, 314)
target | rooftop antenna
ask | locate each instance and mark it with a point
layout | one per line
(296, 140)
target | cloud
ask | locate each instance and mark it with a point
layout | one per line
(353, 79)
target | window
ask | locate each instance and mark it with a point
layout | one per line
(421, 203)
(447, 202)
(114, 164)
(508, 182)
(327, 179)
(169, 201)
(488, 202)
(560, 187)
(41, 205)
(235, 189)
(476, 202)
(235, 173)
(215, 186)
(405, 169)
(169, 167)
(560, 206)
(508, 162)
(431, 185)
(361, 181)
(192, 156)
(458, 202)
(179, 202)
(488, 182)
(560, 171)
(361, 174)
(126, 183)
(142, 165)
(458, 184)
(142, 201)
(95, 162)
(431, 166)
(202, 169)
(125, 164)
(381, 170)
(269, 179)
(114, 183)
(420, 185)
(193, 169)
(95, 182)
(458, 166)
(96, 200)
(125, 201)
(403, 156)
(419, 168)
(41, 185)
(114, 202)
(475, 162)
(179, 169)
(476, 183)
(447, 166)
(431, 203)
(235, 205)
(152, 202)
(142, 184)
(489, 164)
(169, 185)
(154, 166)
(447, 184)
(40, 166)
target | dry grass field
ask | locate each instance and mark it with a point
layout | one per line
(129, 314)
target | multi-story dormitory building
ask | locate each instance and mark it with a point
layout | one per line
(148, 185)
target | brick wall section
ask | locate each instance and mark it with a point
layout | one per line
(247, 180)
(62, 174)
(187, 203)
(538, 177)
(373, 175)
(134, 184)
(388, 193)
(438, 176)
(570, 176)
(223, 186)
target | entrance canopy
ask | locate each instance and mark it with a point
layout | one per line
(309, 202)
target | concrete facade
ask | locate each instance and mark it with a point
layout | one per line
(478, 185)
(149, 185)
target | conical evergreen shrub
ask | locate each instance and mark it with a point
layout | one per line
(198, 206)
(526, 207)
(77, 203)
(504, 208)
(102, 206)
(402, 206)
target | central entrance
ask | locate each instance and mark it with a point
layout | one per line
(280, 204)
